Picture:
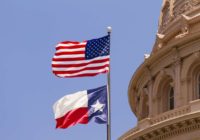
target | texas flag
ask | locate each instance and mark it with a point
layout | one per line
(81, 107)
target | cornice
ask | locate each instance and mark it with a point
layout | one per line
(169, 128)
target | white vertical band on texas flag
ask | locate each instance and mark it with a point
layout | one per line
(81, 107)
(79, 59)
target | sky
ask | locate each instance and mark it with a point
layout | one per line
(29, 31)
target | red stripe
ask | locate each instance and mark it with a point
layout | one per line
(64, 53)
(76, 71)
(69, 47)
(83, 75)
(79, 65)
(87, 74)
(73, 117)
(69, 42)
(68, 59)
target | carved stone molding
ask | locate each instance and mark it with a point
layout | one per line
(184, 26)
(150, 76)
(195, 2)
(171, 130)
(166, 14)
(179, 7)
(196, 54)
(176, 58)
(175, 8)
(160, 40)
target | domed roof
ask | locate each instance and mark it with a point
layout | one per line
(179, 24)
(172, 9)
(172, 13)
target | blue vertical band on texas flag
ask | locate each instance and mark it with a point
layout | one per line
(98, 96)
(82, 107)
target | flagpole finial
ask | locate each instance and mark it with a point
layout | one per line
(109, 29)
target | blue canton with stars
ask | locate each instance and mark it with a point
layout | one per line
(97, 47)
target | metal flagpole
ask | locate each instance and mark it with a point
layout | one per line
(109, 29)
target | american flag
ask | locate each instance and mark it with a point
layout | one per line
(80, 59)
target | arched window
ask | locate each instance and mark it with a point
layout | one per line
(165, 94)
(171, 98)
(195, 81)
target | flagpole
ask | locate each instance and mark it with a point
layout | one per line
(109, 29)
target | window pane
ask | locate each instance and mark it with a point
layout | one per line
(171, 99)
(171, 103)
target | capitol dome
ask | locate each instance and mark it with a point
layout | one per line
(164, 92)
(176, 17)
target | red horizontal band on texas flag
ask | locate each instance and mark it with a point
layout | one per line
(81, 107)
(73, 117)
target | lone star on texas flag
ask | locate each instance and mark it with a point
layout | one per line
(98, 106)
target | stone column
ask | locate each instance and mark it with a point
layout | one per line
(177, 83)
(140, 107)
(150, 95)
(185, 84)
(150, 92)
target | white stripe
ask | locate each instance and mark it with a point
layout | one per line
(70, 44)
(69, 56)
(81, 61)
(70, 50)
(79, 68)
(84, 72)
(70, 102)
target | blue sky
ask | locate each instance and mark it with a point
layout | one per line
(29, 32)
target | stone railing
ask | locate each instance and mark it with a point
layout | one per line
(171, 114)
(193, 106)
(191, 109)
